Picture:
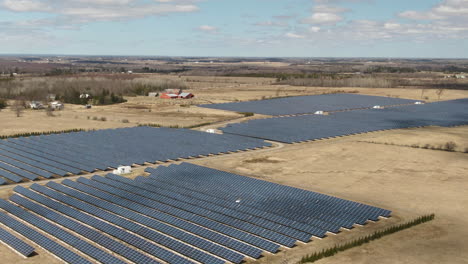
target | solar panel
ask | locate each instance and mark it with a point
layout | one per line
(241, 225)
(311, 127)
(88, 151)
(146, 221)
(64, 236)
(53, 247)
(181, 214)
(309, 104)
(141, 196)
(269, 196)
(15, 243)
(165, 218)
(100, 225)
(141, 243)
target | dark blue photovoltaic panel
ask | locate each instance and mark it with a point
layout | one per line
(81, 229)
(182, 214)
(60, 234)
(58, 250)
(140, 243)
(285, 201)
(140, 195)
(15, 243)
(60, 154)
(164, 228)
(241, 225)
(310, 127)
(98, 224)
(309, 104)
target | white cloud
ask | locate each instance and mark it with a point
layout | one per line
(314, 29)
(270, 23)
(25, 6)
(208, 29)
(448, 9)
(294, 35)
(323, 18)
(83, 11)
(325, 15)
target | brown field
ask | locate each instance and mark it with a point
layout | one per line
(385, 169)
(145, 110)
(408, 181)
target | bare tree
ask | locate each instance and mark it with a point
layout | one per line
(49, 111)
(439, 93)
(18, 106)
(423, 90)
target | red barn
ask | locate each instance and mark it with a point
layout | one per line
(168, 96)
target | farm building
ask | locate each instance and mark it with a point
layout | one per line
(153, 94)
(36, 105)
(186, 95)
(123, 170)
(169, 96)
(56, 105)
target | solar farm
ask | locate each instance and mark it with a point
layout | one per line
(313, 127)
(198, 197)
(179, 214)
(310, 104)
(46, 157)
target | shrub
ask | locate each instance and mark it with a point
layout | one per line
(42, 133)
(379, 234)
(103, 119)
(95, 118)
(125, 121)
(246, 114)
(3, 104)
(450, 146)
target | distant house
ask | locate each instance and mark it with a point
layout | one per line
(186, 95)
(168, 96)
(460, 76)
(36, 105)
(56, 105)
(85, 96)
(153, 94)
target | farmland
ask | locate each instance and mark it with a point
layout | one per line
(410, 172)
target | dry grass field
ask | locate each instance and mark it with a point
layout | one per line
(385, 169)
(408, 181)
(180, 112)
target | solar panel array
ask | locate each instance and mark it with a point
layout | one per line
(179, 214)
(309, 104)
(49, 156)
(311, 127)
(15, 243)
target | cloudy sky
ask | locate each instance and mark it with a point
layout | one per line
(277, 28)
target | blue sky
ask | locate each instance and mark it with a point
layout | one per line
(273, 28)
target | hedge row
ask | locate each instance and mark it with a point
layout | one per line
(334, 250)
(175, 126)
(42, 133)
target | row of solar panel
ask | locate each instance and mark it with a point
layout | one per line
(147, 220)
(61, 155)
(311, 127)
(15, 243)
(324, 212)
(310, 104)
